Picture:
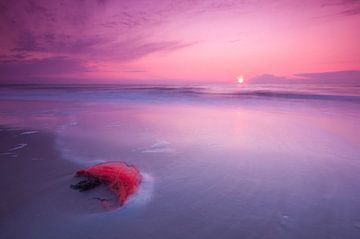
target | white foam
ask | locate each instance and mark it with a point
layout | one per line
(14, 129)
(29, 132)
(19, 146)
(145, 191)
(115, 125)
(166, 150)
(68, 153)
(7, 153)
(161, 146)
(73, 122)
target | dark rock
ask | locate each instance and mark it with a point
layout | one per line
(86, 184)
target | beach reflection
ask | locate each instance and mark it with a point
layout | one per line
(226, 168)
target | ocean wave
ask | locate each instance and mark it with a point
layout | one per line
(296, 95)
(143, 92)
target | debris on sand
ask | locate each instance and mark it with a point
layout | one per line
(121, 178)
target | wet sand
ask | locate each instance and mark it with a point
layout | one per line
(247, 168)
(35, 182)
(214, 182)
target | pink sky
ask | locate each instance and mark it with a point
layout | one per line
(171, 41)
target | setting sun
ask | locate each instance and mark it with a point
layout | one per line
(240, 79)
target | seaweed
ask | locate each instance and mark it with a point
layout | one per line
(121, 178)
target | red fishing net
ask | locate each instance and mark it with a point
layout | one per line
(122, 179)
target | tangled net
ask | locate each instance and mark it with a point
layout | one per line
(121, 178)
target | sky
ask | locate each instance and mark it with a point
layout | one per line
(114, 41)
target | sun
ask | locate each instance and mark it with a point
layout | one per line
(240, 79)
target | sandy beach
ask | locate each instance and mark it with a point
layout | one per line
(248, 166)
(36, 185)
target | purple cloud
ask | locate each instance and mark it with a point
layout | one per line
(14, 70)
(270, 79)
(81, 31)
(350, 7)
(351, 12)
(332, 77)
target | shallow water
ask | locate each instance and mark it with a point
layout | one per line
(215, 165)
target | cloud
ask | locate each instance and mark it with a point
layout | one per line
(40, 34)
(346, 7)
(14, 69)
(138, 49)
(97, 29)
(333, 76)
(270, 79)
(351, 12)
(55, 43)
